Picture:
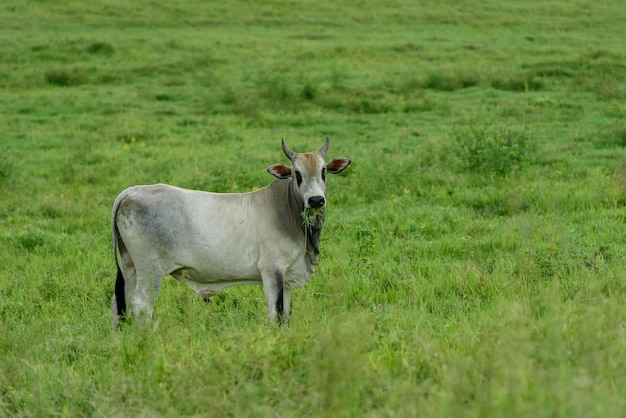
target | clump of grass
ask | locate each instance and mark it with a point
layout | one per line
(100, 48)
(310, 215)
(64, 77)
(229, 95)
(275, 88)
(493, 150)
(607, 87)
(309, 90)
(6, 166)
(450, 81)
(619, 133)
(517, 83)
(164, 97)
(613, 137)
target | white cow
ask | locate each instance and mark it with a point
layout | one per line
(210, 241)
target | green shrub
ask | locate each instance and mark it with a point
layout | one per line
(492, 150)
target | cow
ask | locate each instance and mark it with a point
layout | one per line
(210, 241)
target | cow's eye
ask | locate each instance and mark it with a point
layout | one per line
(324, 174)
(298, 177)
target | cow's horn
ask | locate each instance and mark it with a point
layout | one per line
(289, 153)
(324, 149)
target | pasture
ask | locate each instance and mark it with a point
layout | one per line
(472, 259)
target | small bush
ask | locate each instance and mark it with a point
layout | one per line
(492, 150)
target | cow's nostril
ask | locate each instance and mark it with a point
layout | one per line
(317, 201)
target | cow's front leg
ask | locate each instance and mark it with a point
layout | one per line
(276, 296)
(284, 319)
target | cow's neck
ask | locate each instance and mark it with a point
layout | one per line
(310, 233)
(295, 205)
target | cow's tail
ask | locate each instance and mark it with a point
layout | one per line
(118, 302)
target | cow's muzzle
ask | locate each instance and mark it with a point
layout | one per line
(316, 201)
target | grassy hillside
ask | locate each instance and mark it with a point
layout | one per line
(473, 254)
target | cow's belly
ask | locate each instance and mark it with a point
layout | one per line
(217, 250)
(207, 287)
(224, 274)
(222, 266)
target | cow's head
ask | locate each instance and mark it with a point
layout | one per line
(309, 172)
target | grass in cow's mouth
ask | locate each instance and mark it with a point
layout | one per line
(309, 215)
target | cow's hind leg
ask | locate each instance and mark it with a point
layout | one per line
(145, 294)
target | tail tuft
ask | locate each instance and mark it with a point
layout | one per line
(119, 294)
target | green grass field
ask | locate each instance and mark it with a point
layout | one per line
(473, 254)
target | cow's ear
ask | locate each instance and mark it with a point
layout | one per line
(279, 170)
(337, 165)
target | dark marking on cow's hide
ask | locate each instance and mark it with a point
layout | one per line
(155, 220)
(280, 307)
(119, 294)
(314, 231)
